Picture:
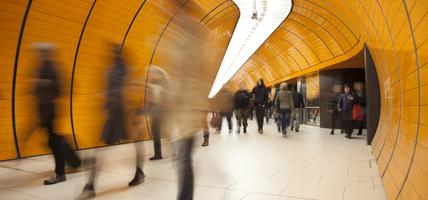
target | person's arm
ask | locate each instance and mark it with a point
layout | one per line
(339, 102)
(302, 103)
(292, 102)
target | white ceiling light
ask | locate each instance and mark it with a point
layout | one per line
(249, 34)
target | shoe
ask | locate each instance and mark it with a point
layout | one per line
(291, 129)
(342, 131)
(206, 142)
(230, 130)
(261, 131)
(87, 193)
(245, 130)
(297, 130)
(54, 179)
(138, 178)
(156, 158)
(360, 133)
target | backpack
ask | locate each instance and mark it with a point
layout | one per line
(243, 98)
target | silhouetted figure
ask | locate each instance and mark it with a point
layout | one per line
(299, 105)
(261, 97)
(242, 104)
(224, 107)
(157, 85)
(47, 90)
(334, 109)
(360, 99)
(284, 100)
(345, 105)
(115, 126)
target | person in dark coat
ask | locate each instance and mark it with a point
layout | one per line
(261, 98)
(345, 105)
(299, 105)
(224, 107)
(47, 91)
(241, 107)
(360, 99)
(115, 126)
(333, 110)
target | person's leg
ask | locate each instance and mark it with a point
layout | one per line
(297, 116)
(156, 126)
(229, 121)
(360, 127)
(287, 116)
(333, 121)
(89, 190)
(55, 144)
(139, 155)
(293, 121)
(239, 115)
(348, 129)
(260, 115)
(244, 117)
(185, 170)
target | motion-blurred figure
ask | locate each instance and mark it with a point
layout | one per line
(115, 126)
(261, 97)
(334, 100)
(299, 105)
(284, 100)
(224, 106)
(158, 82)
(242, 104)
(360, 100)
(345, 104)
(188, 101)
(47, 91)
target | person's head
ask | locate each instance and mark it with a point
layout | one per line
(359, 86)
(44, 50)
(283, 86)
(347, 88)
(337, 89)
(242, 86)
(260, 82)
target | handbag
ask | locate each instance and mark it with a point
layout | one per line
(357, 113)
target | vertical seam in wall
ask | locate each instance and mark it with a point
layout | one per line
(399, 85)
(74, 69)
(419, 99)
(130, 25)
(15, 72)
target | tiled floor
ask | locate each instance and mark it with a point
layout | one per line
(310, 164)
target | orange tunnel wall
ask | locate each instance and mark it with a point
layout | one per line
(82, 32)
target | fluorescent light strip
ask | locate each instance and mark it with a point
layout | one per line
(249, 35)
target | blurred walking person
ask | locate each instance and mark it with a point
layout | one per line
(115, 126)
(359, 117)
(299, 105)
(158, 81)
(284, 100)
(261, 97)
(47, 91)
(333, 110)
(241, 106)
(345, 105)
(187, 104)
(224, 107)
